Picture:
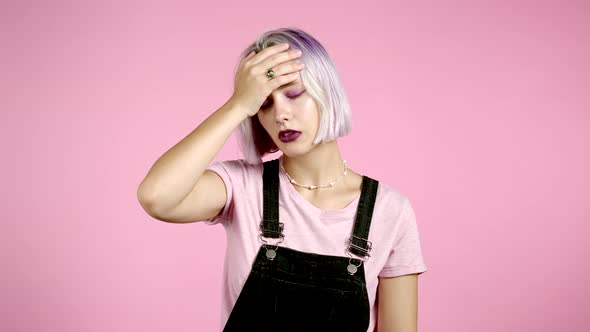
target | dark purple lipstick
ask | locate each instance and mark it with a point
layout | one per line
(289, 135)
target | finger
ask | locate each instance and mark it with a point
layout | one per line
(283, 79)
(265, 53)
(280, 59)
(247, 57)
(288, 67)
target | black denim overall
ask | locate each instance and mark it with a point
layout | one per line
(291, 290)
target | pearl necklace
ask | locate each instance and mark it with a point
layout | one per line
(311, 186)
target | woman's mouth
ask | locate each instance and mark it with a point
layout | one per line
(289, 135)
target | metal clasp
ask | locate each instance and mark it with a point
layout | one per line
(263, 230)
(366, 251)
(353, 268)
(271, 253)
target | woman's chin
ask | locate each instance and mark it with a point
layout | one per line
(293, 151)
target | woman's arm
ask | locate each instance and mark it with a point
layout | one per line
(398, 304)
(174, 188)
(177, 173)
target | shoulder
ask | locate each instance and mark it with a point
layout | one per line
(236, 163)
(390, 201)
(237, 166)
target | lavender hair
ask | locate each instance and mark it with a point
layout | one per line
(320, 80)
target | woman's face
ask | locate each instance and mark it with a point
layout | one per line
(290, 107)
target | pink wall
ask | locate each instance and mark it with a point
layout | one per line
(477, 111)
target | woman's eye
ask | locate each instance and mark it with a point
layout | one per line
(267, 103)
(297, 95)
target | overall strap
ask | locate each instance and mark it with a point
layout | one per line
(358, 242)
(270, 225)
(272, 228)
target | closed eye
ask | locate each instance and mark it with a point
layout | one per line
(266, 103)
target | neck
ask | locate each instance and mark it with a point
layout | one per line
(320, 166)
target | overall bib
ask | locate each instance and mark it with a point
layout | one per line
(291, 290)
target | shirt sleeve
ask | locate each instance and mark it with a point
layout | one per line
(406, 254)
(224, 170)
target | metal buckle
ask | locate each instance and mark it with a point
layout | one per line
(353, 268)
(357, 257)
(366, 251)
(281, 227)
(262, 231)
(262, 240)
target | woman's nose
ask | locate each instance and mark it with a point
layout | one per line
(280, 117)
(282, 111)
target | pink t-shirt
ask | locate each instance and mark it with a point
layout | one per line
(394, 234)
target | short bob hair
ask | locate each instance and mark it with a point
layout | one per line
(321, 81)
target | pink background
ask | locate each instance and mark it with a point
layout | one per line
(477, 111)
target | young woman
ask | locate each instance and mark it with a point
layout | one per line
(311, 244)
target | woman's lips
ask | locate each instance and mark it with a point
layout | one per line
(289, 135)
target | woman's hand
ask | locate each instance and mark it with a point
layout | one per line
(252, 86)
